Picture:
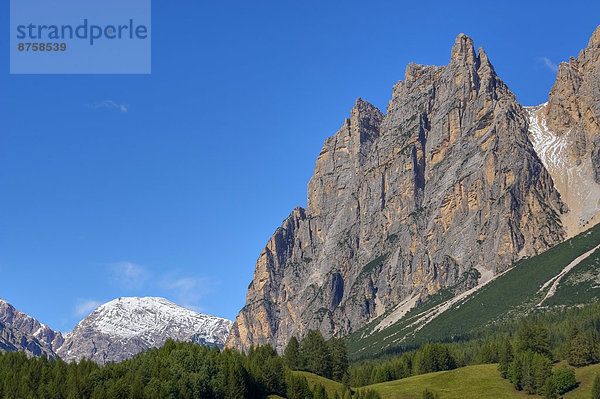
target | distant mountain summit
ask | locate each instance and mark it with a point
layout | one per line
(124, 327)
(115, 331)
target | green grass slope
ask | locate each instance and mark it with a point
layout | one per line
(510, 295)
(330, 386)
(481, 381)
(478, 381)
(585, 378)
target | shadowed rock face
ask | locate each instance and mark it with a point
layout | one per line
(445, 189)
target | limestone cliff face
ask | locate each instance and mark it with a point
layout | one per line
(443, 190)
(566, 135)
(573, 103)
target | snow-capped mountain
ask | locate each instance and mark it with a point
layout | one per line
(124, 327)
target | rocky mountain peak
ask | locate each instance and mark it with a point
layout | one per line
(125, 326)
(572, 104)
(566, 135)
(363, 123)
(30, 326)
(20, 332)
(484, 61)
(463, 51)
(595, 39)
(361, 105)
(413, 72)
(444, 190)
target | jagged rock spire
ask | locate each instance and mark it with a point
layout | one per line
(463, 50)
(444, 188)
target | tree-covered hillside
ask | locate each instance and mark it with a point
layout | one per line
(180, 370)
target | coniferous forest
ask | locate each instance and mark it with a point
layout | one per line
(179, 370)
(527, 352)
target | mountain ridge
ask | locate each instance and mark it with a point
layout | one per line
(565, 275)
(114, 331)
(444, 190)
(125, 326)
(23, 332)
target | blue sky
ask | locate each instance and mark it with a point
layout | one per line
(170, 184)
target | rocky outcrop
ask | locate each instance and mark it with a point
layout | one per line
(22, 333)
(443, 190)
(573, 103)
(30, 326)
(566, 134)
(124, 327)
(14, 340)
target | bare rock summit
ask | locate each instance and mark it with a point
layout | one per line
(443, 190)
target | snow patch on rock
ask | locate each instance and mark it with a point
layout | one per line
(573, 176)
(123, 327)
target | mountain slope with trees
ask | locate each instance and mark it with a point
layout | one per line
(521, 290)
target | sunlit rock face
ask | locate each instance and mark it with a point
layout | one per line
(565, 132)
(445, 189)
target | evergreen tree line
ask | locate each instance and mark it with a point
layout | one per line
(525, 350)
(314, 354)
(570, 335)
(527, 363)
(427, 359)
(176, 370)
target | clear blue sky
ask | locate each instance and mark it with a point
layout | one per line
(171, 184)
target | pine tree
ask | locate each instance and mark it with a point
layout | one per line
(515, 372)
(533, 337)
(528, 374)
(505, 355)
(564, 379)
(297, 388)
(579, 350)
(542, 371)
(339, 358)
(593, 338)
(549, 390)
(236, 381)
(274, 375)
(315, 354)
(433, 357)
(291, 354)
